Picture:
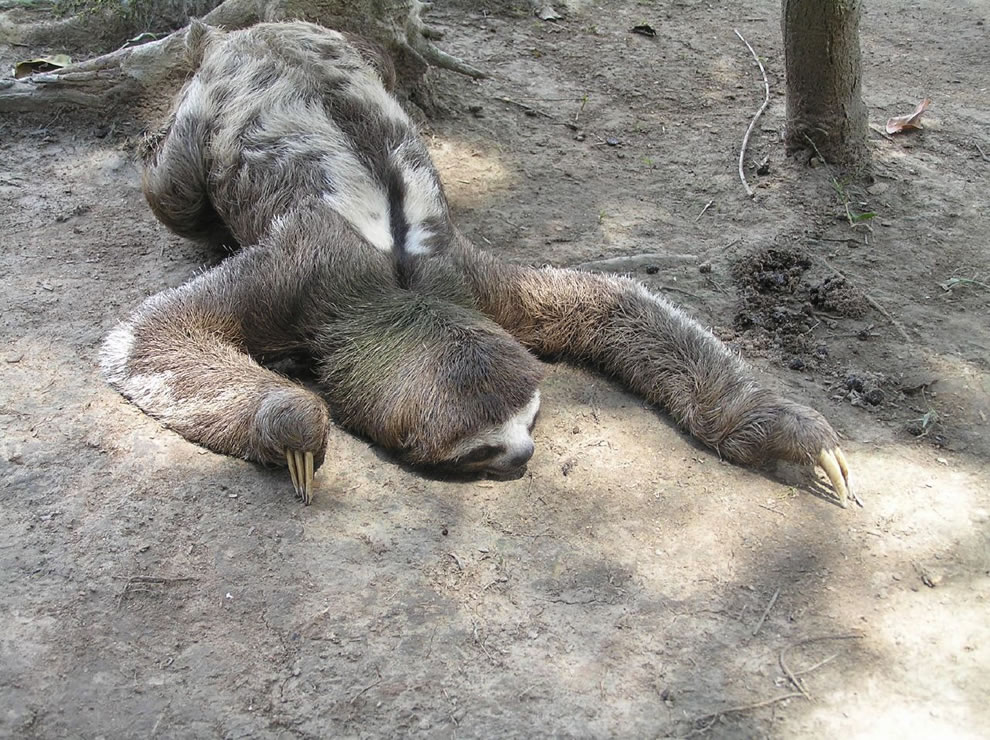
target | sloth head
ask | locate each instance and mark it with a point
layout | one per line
(437, 383)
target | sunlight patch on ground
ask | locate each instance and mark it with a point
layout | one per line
(470, 173)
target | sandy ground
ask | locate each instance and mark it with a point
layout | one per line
(631, 584)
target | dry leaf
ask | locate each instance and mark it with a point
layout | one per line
(911, 121)
(42, 64)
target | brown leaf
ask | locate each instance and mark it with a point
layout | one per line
(29, 67)
(899, 124)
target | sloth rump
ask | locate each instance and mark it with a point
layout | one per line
(287, 144)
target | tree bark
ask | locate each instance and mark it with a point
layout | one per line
(825, 109)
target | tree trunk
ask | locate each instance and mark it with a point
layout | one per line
(825, 110)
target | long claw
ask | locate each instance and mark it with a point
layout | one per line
(300, 473)
(292, 470)
(308, 485)
(833, 462)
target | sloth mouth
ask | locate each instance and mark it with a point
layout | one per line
(506, 475)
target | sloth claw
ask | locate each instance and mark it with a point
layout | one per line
(833, 462)
(301, 472)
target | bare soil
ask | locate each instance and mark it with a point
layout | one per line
(631, 584)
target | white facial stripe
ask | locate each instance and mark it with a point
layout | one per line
(515, 432)
(513, 435)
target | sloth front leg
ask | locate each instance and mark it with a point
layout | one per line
(183, 357)
(660, 353)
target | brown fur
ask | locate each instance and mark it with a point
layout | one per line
(286, 142)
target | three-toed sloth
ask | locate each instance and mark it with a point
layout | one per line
(287, 142)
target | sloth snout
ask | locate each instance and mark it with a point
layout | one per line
(518, 457)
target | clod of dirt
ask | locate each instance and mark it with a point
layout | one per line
(796, 364)
(771, 271)
(864, 389)
(836, 296)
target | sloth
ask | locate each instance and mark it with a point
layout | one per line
(287, 146)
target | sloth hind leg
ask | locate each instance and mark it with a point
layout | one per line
(174, 181)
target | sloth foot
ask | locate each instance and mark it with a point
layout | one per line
(292, 424)
(833, 462)
(301, 471)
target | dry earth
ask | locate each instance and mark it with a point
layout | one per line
(631, 584)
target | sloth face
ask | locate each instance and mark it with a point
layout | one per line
(439, 384)
(501, 451)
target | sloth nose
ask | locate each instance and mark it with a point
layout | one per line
(520, 455)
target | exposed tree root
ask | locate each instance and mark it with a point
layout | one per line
(125, 73)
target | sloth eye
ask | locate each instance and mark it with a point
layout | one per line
(484, 452)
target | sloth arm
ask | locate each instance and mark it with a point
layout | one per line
(186, 357)
(660, 353)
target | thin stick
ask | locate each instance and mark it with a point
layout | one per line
(817, 665)
(773, 600)
(365, 689)
(745, 707)
(766, 102)
(980, 150)
(872, 301)
(790, 675)
(527, 108)
(707, 206)
(793, 677)
(158, 579)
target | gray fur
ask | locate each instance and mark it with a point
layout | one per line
(287, 142)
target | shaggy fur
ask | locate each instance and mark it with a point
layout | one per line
(286, 142)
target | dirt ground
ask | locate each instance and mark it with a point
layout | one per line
(631, 584)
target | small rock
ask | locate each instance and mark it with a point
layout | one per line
(652, 269)
(705, 267)
(612, 141)
(796, 363)
(477, 111)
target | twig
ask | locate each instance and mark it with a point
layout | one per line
(160, 580)
(460, 565)
(766, 102)
(635, 261)
(872, 301)
(817, 665)
(768, 508)
(980, 150)
(672, 289)
(878, 130)
(773, 600)
(744, 708)
(707, 206)
(793, 677)
(365, 689)
(526, 108)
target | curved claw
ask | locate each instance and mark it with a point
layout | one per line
(833, 462)
(301, 472)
